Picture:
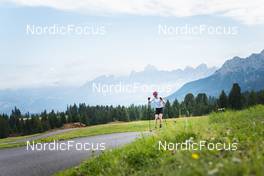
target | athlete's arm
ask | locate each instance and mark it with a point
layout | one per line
(162, 100)
(149, 101)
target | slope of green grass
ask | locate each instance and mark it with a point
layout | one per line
(143, 157)
(14, 141)
(138, 126)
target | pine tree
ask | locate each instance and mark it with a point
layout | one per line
(4, 126)
(235, 97)
(44, 121)
(168, 110)
(14, 121)
(252, 99)
(260, 96)
(189, 104)
(52, 118)
(175, 108)
(201, 105)
(223, 100)
(63, 118)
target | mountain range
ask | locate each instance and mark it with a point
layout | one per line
(248, 72)
(136, 86)
(105, 89)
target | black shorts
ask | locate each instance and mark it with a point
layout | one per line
(159, 111)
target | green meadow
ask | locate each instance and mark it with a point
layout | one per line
(144, 157)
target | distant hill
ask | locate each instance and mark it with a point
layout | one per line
(57, 98)
(248, 72)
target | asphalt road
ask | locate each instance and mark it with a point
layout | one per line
(23, 162)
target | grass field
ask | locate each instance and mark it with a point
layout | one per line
(143, 157)
(100, 129)
(138, 126)
(119, 127)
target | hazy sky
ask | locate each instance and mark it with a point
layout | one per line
(124, 35)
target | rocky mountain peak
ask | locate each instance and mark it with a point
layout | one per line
(236, 64)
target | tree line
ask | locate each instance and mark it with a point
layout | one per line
(23, 124)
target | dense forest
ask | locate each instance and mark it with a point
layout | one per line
(24, 124)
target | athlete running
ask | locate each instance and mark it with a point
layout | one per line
(158, 104)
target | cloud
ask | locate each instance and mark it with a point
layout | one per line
(247, 12)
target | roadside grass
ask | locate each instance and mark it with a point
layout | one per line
(143, 157)
(135, 126)
(14, 141)
(11, 145)
(120, 127)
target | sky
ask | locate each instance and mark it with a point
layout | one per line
(122, 36)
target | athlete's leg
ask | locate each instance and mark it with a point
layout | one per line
(156, 119)
(160, 119)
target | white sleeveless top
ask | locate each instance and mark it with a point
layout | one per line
(157, 103)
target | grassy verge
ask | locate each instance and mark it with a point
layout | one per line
(138, 126)
(143, 157)
(13, 141)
